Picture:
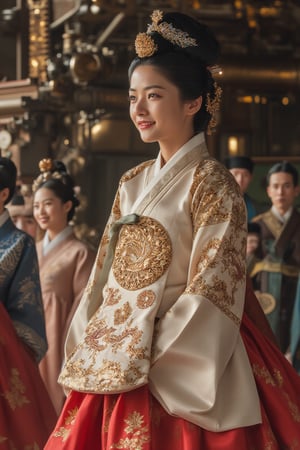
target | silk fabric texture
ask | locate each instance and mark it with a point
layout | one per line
(170, 311)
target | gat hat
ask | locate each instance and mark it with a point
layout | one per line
(239, 162)
(254, 227)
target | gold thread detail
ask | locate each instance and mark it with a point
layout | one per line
(145, 45)
(212, 107)
(143, 254)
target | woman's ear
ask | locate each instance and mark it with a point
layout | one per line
(68, 206)
(193, 106)
(4, 194)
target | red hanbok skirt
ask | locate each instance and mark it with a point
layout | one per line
(136, 421)
(27, 415)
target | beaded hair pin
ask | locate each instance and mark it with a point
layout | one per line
(145, 45)
(46, 167)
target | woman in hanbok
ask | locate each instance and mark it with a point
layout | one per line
(65, 264)
(161, 353)
(26, 413)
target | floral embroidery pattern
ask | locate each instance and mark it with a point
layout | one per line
(137, 433)
(275, 380)
(16, 396)
(122, 314)
(143, 254)
(64, 431)
(208, 206)
(112, 296)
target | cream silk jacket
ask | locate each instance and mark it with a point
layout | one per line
(167, 311)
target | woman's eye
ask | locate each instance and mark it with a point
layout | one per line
(131, 98)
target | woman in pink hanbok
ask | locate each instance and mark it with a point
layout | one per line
(65, 264)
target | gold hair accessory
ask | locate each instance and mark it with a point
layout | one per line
(145, 45)
(46, 166)
(212, 106)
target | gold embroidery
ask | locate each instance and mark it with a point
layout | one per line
(112, 296)
(16, 396)
(208, 205)
(145, 299)
(275, 379)
(105, 374)
(143, 254)
(122, 314)
(108, 412)
(137, 433)
(64, 431)
(216, 292)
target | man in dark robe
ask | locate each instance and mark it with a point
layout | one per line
(276, 276)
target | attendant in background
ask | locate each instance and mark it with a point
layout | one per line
(21, 211)
(277, 274)
(26, 412)
(241, 168)
(64, 262)
(254, 248)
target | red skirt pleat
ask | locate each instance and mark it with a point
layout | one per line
(27, 416)
(136, 421)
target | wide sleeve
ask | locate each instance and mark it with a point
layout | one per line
(92, 294)
(198, 355)
(24, 298)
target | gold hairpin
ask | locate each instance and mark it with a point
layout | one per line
(212, 106)
(45, 166)
(145, 45)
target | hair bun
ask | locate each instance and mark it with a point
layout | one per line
(207, 49)
(59, 166)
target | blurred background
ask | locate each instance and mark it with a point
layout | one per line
(63, 88)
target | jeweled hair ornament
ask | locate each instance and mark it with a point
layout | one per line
(145, 45)
(213, 106)
(46, 168)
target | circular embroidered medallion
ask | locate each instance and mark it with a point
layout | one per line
(143, 254)
(145, 299)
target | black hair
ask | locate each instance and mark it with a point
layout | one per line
(62, 186)
(8, 176)
(186, 67)
(285, 167)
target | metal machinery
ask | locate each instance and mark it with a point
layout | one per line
(68, 98)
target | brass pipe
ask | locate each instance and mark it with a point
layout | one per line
(269, 75)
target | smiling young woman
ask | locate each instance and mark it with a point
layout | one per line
(65, 264)
(160, 354)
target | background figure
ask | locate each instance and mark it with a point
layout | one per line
(241, 168)
(160, 349)
(277, 274)
(26, 412)
(65, 264)
(254, 247)
(21, 211)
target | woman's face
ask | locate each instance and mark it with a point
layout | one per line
(157, 110)
(49, 211)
